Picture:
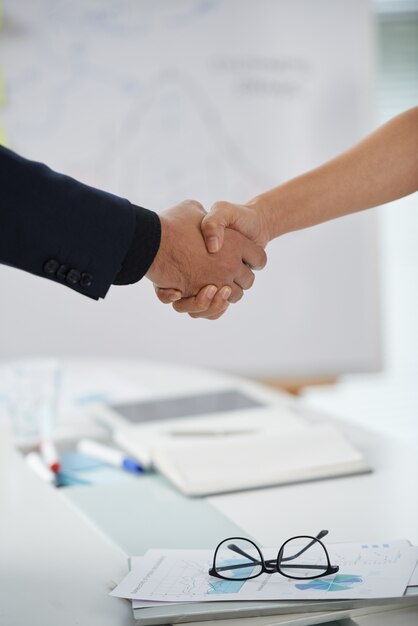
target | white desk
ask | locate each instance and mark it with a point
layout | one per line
(383, 504)
(57, 564)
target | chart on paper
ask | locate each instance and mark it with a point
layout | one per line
(365, 571)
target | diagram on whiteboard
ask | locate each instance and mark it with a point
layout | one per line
(159, 124)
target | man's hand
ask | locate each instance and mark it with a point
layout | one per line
(183, 264)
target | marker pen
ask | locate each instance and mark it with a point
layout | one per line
(35, 462)
(50, 455)
(108, 455)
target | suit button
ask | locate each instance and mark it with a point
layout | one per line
(73, 277)
(86, 279)
(51, 266)
(62, 271)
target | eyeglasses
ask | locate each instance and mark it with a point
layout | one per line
(302, 557)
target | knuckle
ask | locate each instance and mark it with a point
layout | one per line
(180, 307)
(194, 204)
(216, 317)
(218, 206)
(250, 281)
(219, 308)
(263, 259)
(221, 207)
(261, 262)
(209, 224)
(236, 296)
(162, 298)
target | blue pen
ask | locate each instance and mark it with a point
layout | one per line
(108, 455)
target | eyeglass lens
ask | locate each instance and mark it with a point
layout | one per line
(302, 557)
(238, 559)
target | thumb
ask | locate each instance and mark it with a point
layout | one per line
(221, 215)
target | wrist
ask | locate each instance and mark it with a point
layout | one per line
(164, 270)
(284, 209)
(156, 268)
(267, 215)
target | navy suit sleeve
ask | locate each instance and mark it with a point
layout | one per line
(58, 228)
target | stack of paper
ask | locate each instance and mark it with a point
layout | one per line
(166, 584)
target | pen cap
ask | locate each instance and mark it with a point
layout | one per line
(131, 466)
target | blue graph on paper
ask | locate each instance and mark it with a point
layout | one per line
(340, 582)
(229, 586)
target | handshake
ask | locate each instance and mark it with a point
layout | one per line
(206, 261)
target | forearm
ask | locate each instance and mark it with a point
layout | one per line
(381, 168)
(60, 229)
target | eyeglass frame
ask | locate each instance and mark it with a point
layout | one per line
(266, 564)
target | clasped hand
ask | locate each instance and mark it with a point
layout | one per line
(202, 275)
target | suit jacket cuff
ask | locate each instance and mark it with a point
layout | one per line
(143, 248)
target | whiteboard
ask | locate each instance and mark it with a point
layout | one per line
(159, 100)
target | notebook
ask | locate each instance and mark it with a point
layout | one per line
(142, 439)
(200, 466)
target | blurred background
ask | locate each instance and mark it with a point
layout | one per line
(389, 400)
(161, 100)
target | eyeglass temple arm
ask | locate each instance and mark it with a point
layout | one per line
(238, 550)
(320, 535)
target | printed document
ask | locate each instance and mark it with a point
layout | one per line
(366, 570)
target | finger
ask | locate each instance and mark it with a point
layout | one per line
(254, 255)
(167, 296)
(216, 317)
(236, 293)
(245, 278)
(196, 304)
(218, 305)
(221, 215)
(213, 317)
